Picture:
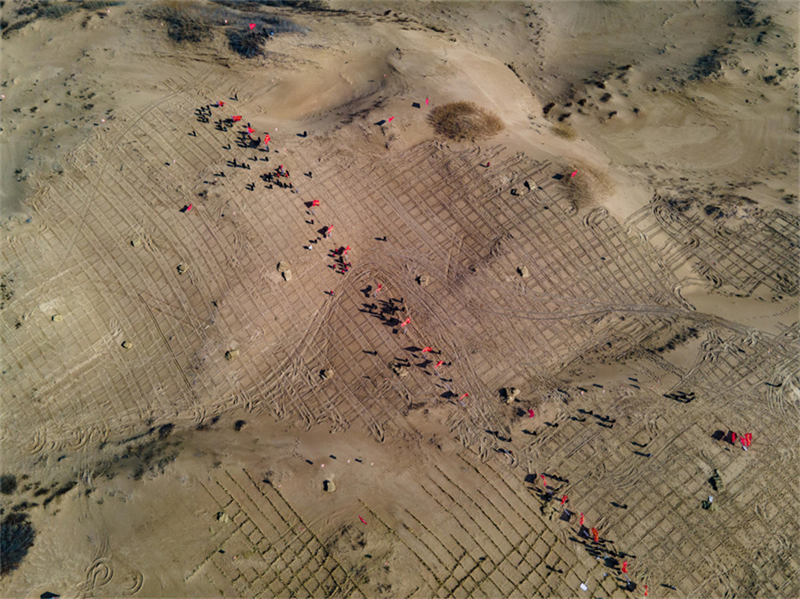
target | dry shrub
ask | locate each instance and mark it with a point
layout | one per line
(588, 187)
(186, 21)
(190, 21)
(16, 538)
(464, 121)
(565, 131)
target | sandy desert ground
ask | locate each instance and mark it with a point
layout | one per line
(181, 417)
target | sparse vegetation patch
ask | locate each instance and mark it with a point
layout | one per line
(464, 121)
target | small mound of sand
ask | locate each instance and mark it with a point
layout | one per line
(231, 354)
(326, 374)
(464, 121)
(328, 486)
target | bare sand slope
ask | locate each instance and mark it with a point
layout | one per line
(184, 417)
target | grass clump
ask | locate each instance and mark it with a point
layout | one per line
(565, 131)
(589, 186)
(8, 484)
(56, 11)
(462, 121)
(16, 538)
(98, 4)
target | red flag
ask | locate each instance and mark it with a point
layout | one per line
(220, 103)
(362, 519)
(236, 119)
(439, 363)
(391, 118)
(426, 101)
(347, 249)
(266, 139)
(544, 480)
(252, 26)
(250, 130)
(574, 173)
(645, 590)
(625, 567)
(581, 518)
(380, 286)
(564, 500)
(426, 349)
(749, 437)
(530, 413)
(408, 320)
(733, 437)
(596, 535)
(315, 202)
(189, 207)
(463, 396)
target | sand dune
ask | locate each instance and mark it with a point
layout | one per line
(204, 395)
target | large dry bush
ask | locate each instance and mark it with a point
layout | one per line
(589, 186)
(464, 121)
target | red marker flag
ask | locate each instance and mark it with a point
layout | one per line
(236, 119)
(426, 101)
(581, 518)
(596, 535)
(439, 363)
(426, 349)
(645, 590)
(266, 139)
(544, 480)
(463, 396)
(733, 437)
(250, 130)
(625, 567)
(347, 249)
(564, 500)
(220, 104)
(530, 413)
(574, 173)
(252, 26)
(314, 202)
(189, 207)
(407, 321)
(362, 519)
(391, 118)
